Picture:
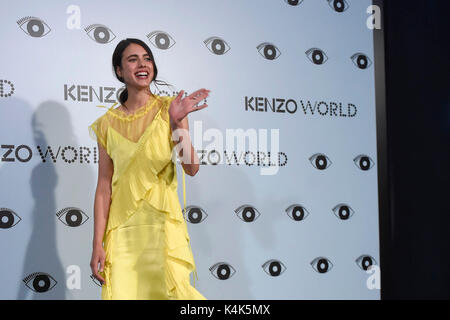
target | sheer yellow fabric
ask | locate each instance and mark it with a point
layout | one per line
(148, 253)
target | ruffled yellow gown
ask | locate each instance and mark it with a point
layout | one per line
(148, 253)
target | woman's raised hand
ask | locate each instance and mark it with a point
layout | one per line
(180, 107)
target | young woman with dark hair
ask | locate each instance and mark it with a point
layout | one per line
(141, 246)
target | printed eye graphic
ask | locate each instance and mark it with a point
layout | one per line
(320, 161)
(273, 267)
(297, 212)
(321, 265)
(363, 162)
(165, 93)
(222, 271)
(361, 60)
(100, 33)
(95, 280)
(195, 214)
(365, 261)
(217, 45)
(72, 217)
(268, 50)
(343, 211)
(8, 218)
(161, 39)
(248, 213)
(33, 26)
(338, 5)
(293, 2)
(39, 282)
(316, 56)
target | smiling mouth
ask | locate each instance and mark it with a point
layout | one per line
(141, 75)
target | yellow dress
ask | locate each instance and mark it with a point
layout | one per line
(148, 253)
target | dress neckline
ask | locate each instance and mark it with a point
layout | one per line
(138, 113)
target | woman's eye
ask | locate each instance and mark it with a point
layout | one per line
(132, 60)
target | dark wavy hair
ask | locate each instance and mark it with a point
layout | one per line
(117, 62)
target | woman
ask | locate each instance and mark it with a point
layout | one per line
(141, 247)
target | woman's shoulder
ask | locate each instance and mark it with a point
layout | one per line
(165, 101)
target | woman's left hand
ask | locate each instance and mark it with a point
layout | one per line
(179, 108)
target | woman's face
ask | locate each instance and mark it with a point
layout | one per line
(136, 60)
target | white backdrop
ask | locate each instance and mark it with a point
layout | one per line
(311, 59)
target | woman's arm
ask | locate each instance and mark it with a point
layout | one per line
(190, 163)
(101, 210)
(178, 111)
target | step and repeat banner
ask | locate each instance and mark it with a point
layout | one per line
(285, 204)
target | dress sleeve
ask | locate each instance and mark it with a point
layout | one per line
(98, 129)
(166, 117)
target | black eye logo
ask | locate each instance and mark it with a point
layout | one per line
(273, 267)
(8, 218)
(194, 214)
(217, 45)
(320, 161)
(72, 217)
(293, 2)
(222, 270)
(321, 265)
(100, 33)
(34, 27)
(343, 211)
(268, 50)
(297, 212)
(365, 261)
(39, 282)
(161, 39)
(165, 93)
(316, 56)
(361, 60)
(363, 162)
(95, 280)
(338, 5)
(247, 213)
